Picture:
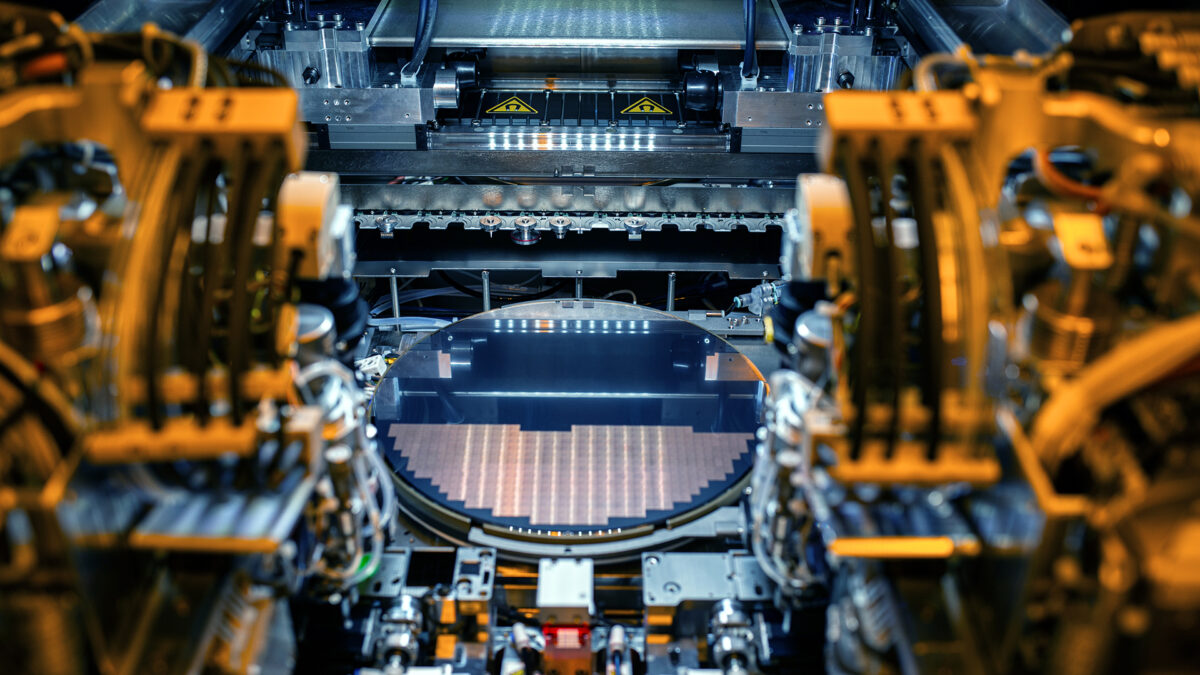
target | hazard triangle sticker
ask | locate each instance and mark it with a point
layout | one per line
(646, 106)
(512, 106)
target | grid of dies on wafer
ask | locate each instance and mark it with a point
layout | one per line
(586, 476)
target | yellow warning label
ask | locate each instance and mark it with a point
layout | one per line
(513, 106)
(645, 106)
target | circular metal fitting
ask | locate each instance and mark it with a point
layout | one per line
(445, 88)
(526, 233)
(560, 225)
(387, 224)
(490, 223)
(732, 645)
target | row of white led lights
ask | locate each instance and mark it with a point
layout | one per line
(570, 326)
(580, 140)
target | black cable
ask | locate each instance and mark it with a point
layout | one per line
(476, 294)
(921, 175)
(277, 79)
(457, 286)
(208, 279)
(684, 292)
(236, 241)
(750, 59)
(177, 234)
(278, 292)
(240, 229)
(891, 271)
(289, 291)
(422, 15)
(420, 49)
(218, 69)
(863, 355)
(271, 300)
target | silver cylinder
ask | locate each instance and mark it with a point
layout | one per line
(445, 88)
(395, 293)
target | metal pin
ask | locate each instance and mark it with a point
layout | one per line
(671, 292)
(479, 108)
(395, 300)
(578, 286)
(487, 290)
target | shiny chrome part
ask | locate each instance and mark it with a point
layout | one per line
(321, 56)
(395, 296)
(490, 223)
(399, 647)
(560, 225)
(366, 106)
(525, 231)
(445, 88)
(671, 292)
(733, 640)
(685, 206)
(826, 60)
